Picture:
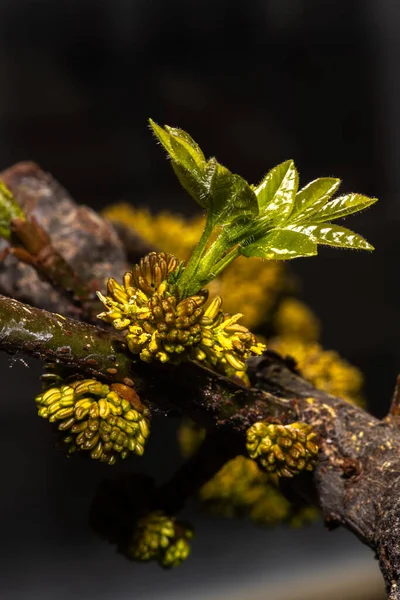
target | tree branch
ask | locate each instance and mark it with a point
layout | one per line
(357, 480)
(81, 347)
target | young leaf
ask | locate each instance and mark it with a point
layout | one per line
(230, 196)
(342, 206)
(188, 142)
(276, 193)
(9, 209)
(332, 235)
(162, 135)
(281, 244)
(187, 159)
(272, 220)
(181, 154)
(312, 197)
(192, 182)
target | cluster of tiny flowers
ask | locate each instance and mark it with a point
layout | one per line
(241, 489)
(158, 537)
(162, 327)
(326, 369)
(283, 449)
(106, 421)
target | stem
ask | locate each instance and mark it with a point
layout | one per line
(229, 257)
(188, 280)
(209, 264)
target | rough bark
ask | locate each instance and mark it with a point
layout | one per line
(86, 242)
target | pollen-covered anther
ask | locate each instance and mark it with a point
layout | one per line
(124, 301)
(225, 344)
(107, 421)
(167, 328)
(283, 449)
(152, 270)
(159, 537)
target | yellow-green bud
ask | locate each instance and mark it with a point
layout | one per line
(283, 449)
(106, 421)
(175, 554)
(158, 537)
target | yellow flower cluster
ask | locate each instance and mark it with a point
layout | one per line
(167, 231)
(106, 421)
(297, 333)
(252, 284)
(241, 489)
(293, 319)
(324, 368)
(283, 449)
(159, 537)
(161, 327)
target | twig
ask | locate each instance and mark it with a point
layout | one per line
(33, 246)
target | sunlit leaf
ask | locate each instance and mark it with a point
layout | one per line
(162, 135)
(276, 193)
(272, 220)
(230, 196)
(332, 235)
(187, 159)
(343, 206)
(281, 245)
(181, 154)
(312, 197)
(9, 209)
(188, 142)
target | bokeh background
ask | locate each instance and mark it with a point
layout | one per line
(255, 83)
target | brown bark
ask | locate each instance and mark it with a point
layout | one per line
(88, 244)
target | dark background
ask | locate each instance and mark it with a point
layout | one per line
(255, 83)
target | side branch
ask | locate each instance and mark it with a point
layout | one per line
(357, 479)
(51, 337)
(210, 399)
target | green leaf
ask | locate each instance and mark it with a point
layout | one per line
(332, 235)
(187, 159)
(192, 182)
(230, 196)
(312, 197)
(276, 193)
(343, 206)
(180, 154)
(281, 244)
(9, 209)
(185, 140)
(162, 135)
